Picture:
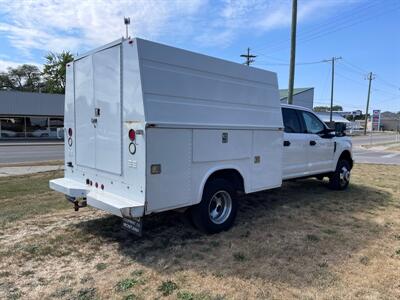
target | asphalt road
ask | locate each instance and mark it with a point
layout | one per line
(375, 139)
(24, 153)
(362, 155)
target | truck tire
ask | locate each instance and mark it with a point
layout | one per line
(218, 207)
(340, 178)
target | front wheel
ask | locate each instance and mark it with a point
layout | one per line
(340, 178)
(217, 210)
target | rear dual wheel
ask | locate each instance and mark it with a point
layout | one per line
(217, 210)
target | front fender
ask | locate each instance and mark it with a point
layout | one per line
(342, 144)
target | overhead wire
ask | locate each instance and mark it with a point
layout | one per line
(333, 27)
(311, 30)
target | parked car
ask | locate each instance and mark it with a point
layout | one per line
(8, 133)
(151, 128)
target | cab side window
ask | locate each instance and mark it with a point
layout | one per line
(312, 123)
(291, 120)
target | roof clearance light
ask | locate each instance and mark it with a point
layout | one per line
(132, 135)
(70, 131)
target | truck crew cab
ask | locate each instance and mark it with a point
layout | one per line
(150, 128)
(312, 149)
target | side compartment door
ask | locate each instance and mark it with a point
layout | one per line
(85, 131)
(107, 110)
(320, 147)
(171, 150)
(295, 156)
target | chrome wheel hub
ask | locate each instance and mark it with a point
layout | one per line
(220, 207)
(344, 175)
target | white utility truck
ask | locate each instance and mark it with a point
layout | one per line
(150, 128)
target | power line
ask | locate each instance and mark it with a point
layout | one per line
(348, 78)
(311, 30)
(331, 28)
(356, 69)
(391, 99)
(249, 57)
(363, 84)
(297, 64)
(388, 83)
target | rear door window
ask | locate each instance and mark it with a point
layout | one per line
(291, 120)
(312, 123)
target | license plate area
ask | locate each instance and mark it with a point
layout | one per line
(133, 225)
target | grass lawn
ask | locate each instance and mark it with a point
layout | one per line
(302, 241)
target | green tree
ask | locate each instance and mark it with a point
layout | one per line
(22, 78)
(54, 71)
(328, 108)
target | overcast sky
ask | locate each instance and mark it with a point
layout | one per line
(365, 33)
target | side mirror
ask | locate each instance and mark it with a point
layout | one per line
(340, 129)
(328, 133)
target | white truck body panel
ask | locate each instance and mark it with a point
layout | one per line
(303, 160)
(193, 115)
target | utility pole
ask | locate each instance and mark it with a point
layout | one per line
(292, 51)
(332, 60)
(249, 57)
(370, 77)
(127, 21)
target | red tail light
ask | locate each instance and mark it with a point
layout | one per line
(70, 131)
(132, 135)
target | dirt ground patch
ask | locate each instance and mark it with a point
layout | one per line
(302, 241)
(392, 146)
(395, 147)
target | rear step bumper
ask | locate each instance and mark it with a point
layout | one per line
(117, 205)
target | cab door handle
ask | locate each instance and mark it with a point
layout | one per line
(313, 143)
(286, 143)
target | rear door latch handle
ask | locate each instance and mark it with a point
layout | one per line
(313, 143)
(94, 121)
(286, 143)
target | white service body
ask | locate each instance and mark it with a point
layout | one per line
(193, 115)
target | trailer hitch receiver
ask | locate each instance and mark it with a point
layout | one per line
(77, 202)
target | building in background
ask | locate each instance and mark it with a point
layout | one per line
(345, 114)
(340, 123)
(301, 97)
(390, 124)
(25, 115)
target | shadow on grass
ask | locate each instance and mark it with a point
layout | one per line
(291, 235)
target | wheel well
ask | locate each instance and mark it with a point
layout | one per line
(347, 156)
(231, 175)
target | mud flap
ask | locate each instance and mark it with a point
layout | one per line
(133, 225)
